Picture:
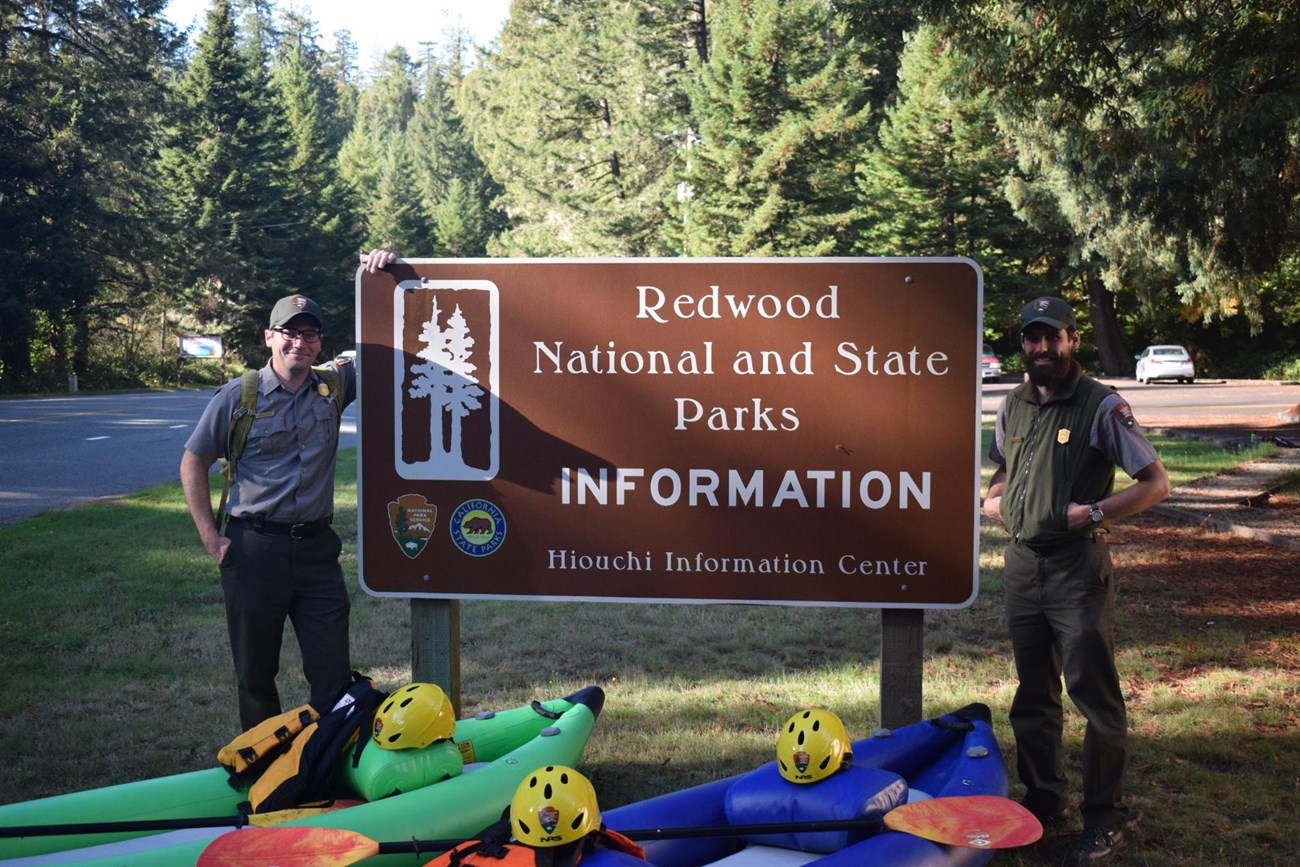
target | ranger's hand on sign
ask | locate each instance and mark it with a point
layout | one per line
(377, 260)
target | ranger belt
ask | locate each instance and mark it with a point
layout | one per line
(300, 530)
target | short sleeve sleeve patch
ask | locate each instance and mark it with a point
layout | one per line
(1124, 414)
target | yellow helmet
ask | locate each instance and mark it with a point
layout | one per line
(554, 805)
(414, 716)
(813, 745)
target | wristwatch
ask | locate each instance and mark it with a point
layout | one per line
(1095, 512)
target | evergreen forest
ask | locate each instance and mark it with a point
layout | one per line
(1142, 159)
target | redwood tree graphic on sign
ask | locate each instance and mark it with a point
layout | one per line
(447, 375)
(447, 379)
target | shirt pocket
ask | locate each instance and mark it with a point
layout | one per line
(269, 438)
(325, 427)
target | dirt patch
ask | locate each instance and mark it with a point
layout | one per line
(1228, 431)
(1284, 503)
(1209, 576)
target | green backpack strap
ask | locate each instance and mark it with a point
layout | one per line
(236, 438)
(241, 421)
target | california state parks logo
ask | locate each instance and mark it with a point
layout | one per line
(477, 527)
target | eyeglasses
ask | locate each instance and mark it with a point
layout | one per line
(310, 335)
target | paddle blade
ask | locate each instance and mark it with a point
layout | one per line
(971, 821)
(279, 817)
(287, 847)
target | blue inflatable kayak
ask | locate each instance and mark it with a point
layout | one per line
(951, 755)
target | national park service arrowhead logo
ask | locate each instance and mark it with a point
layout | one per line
(549, 817)
(411, 518)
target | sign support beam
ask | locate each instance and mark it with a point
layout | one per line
(435, 645)
(902, 637)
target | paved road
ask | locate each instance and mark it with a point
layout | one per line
(58, 451)
(1202, 403)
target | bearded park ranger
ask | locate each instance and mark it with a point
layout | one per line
(1058, 439)
(278, 554)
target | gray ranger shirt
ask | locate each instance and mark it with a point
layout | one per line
(286, 473)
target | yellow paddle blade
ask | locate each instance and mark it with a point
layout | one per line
(287, 847)
(971, 821)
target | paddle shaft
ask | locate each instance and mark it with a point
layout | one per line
(403, 847)
(974, 821)
(124, 826)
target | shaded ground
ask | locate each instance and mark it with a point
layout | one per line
(1207, 628)
(1260, 499)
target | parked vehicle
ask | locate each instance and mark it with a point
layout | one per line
(990, 365)
(1165, 362)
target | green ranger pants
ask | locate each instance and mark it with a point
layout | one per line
(268, 579)
(1061, 617)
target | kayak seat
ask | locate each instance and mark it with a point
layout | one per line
(755, 855)
(764, 796)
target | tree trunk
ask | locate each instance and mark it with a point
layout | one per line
(701, 31)
(81, 343)
(1114, 356)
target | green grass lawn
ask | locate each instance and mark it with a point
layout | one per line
(117, 668)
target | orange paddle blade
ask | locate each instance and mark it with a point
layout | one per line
(287, 847)
(972, 821)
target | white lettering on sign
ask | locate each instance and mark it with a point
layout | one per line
(651, 300)
(807, 489)
(610, 359)
(757, 417)
(852, 565)
(569, 559)
(891, 363)
(782, 564)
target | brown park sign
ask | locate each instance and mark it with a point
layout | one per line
(798, 431)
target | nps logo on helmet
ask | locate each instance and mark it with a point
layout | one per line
(379, 727)
(801, 761)
(549, 817)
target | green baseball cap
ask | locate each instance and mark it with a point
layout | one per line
(1049, 311)
(287, 308)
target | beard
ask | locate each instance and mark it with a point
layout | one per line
(1048, 369)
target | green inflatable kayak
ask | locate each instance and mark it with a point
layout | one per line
(444, 791)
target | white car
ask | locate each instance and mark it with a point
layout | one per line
(1165, 362)
(990, 366)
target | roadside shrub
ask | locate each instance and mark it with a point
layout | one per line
(1282, 368)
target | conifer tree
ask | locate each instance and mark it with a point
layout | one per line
(936, 183)
(225, 164)
(1167, 132)
(576, 115)
(326, 235)
(396, 218)
(81, 98)
(781, 108)
(377, 165)
(457, 190)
